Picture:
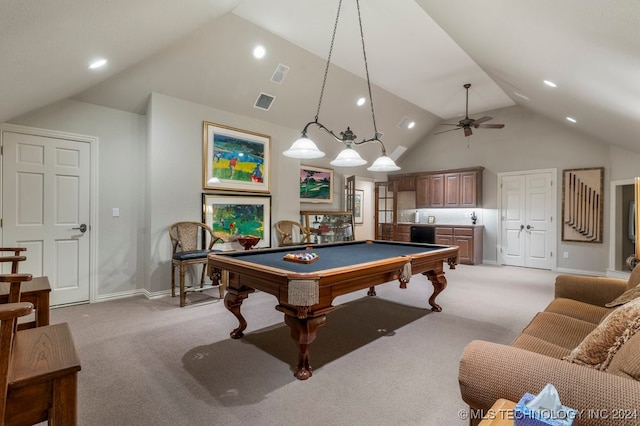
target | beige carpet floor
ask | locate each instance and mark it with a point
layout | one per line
(381, 360)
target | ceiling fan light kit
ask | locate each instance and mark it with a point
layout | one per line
(305, 148)
(468, 123)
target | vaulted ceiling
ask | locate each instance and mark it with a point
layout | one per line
(419, 54)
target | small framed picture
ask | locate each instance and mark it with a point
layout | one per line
(431, 219)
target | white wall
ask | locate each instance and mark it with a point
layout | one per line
(527, 142)
(151, 168)
(121, 168)
(174, 180)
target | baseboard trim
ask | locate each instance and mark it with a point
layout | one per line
(580, 272)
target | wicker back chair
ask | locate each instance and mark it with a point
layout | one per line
(188, 248)
(291, 232)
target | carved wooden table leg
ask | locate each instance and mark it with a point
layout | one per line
(439, 284)
(233, 302)
(372, 291)
(303, 332)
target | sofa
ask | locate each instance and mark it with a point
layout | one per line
(584, 343)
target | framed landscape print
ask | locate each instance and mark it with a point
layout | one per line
(234, 159)
(316, 185)
(233, 216)
(582, 204)
(357, 208)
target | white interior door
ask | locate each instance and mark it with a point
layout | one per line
(527, 210)
(46, 208)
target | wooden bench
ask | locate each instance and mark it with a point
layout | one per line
(37, 292)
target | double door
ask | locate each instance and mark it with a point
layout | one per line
(527, 214)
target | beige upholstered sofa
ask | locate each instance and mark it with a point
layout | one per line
(589, 352)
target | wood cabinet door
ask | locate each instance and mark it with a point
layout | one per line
(469, 193)
(465, 249)
(436, 190)
(422, 192)
(403, 233)
(444, 240)
(407, 184)
(452, 190)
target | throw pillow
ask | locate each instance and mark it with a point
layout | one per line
(593, 350)
(632, 328)
(625, 297)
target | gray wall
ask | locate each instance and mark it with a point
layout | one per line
(527, 142)
(151, 168)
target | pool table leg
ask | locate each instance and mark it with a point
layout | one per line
(303, 332)
(439, 284)
(233, 302)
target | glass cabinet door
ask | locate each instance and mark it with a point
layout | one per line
(384, 210)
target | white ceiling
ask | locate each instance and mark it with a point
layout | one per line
(420, 53)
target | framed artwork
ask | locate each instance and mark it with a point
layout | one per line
(233, 216)
(316, 185)
(234, 159)
(357, 207)
(582, 204)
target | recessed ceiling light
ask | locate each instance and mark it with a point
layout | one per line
(97, 64)
(259, 52)
(550, 83)
(411, 125)
(573, 120)
(361, 101)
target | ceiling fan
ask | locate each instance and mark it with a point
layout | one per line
(467, 123)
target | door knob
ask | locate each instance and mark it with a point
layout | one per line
(82, 228)
(529, 227)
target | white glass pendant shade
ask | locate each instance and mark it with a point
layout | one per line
(303, 148)
(383, 164)
(348, 157)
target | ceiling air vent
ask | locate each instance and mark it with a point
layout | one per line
(264, 101)
(279, 74)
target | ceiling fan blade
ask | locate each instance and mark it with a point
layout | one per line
(467, 131)
(491, 126)
(481, 120)
(445, 131)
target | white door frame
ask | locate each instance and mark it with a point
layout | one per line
(553, 233)
(93, 185)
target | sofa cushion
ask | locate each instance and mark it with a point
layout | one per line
(625, 361)
(558, 329)
(539, 346)
(578, 310)
(625, 297)
(593, 350)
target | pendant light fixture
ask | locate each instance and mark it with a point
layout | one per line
(305, 148)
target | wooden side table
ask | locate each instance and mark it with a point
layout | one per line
(500, 414)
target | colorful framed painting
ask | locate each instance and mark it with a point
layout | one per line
(582, 204)
(357, 207)
(235, 216)
(316, 185)
(234, 159)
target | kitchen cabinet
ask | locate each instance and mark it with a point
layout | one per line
(461, 188)
(403, 232)
(328, 226)
(405, 183)
(467, 238)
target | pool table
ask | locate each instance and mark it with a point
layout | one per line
(305, 291)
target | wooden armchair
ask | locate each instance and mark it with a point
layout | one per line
(187, 249)
(291, 233)
(35, 290)
(38, 369)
